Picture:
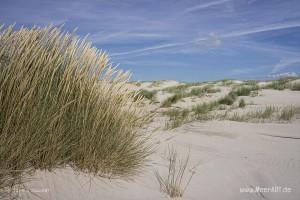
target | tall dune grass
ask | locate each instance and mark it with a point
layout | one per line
(63, 104)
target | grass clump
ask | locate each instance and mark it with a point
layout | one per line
(280, 84)
(148, 94)
(242, 103)
(228, 99)
(203, 90)
(201, 111)
(63, 104)
(180, 92)
(176, 117)
(176, 89)
(260, 115)
(172, 99)
(173, 184)
(204, 108)
(295, 86)
(287, 113)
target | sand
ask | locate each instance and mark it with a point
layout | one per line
(228, 156)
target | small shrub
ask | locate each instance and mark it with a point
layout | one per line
(242, 103)
(228, 99)
(197, 92)
(243, 91)
(295, 86)
(204, 108)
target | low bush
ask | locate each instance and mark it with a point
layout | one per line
(242, 103)
(228, 99)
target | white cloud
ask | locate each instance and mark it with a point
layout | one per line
(262, 29)
(281, 75)
(205, 5)
(284, 63)
(215, 40)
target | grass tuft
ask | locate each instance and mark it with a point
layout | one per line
(63, 104)
(148, 94)
(228, 99)
(173, 184)
(242, 103)
(287, 113)
(176, 118)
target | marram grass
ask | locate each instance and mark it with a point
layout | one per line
(63, 104)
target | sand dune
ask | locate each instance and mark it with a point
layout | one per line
(228, 157)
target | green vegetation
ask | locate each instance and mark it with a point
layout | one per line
(204, 108)
(177, 89)
(203, 90)
(295, 86)
(148, 94)
(56, 112)
(226, 82)
(228, 99)
(287, 113)
(180, 92)
(177, 118)
(245, 90)
(173, 99)
(242, 103)
(261, 114)
(280, 84)
(173, 183)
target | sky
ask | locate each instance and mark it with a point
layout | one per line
(184, 40)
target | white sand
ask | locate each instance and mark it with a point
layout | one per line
(229, 156)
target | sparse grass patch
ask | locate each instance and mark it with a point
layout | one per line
(176, 181)
(172, 99)
(287, 113)
(280, 84)
(261, 114)
(177, 89)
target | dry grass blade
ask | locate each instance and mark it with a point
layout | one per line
(173, 184)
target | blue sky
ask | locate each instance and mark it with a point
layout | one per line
(188, 40)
